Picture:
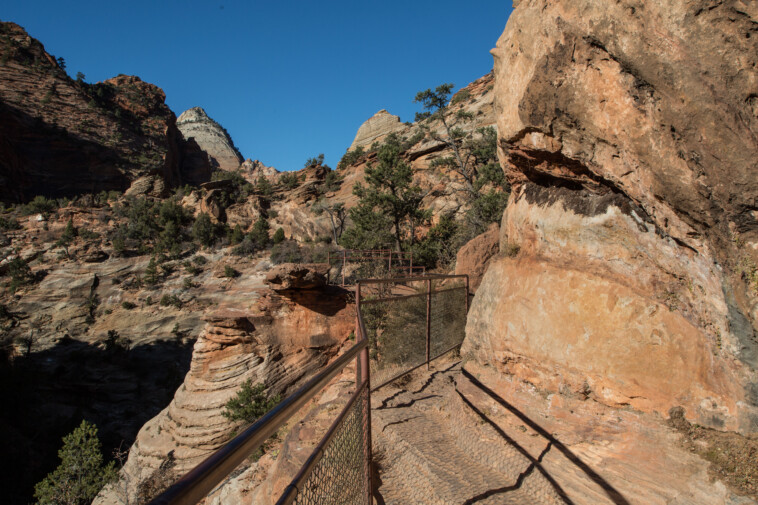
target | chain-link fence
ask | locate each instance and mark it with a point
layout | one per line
(403, 323)
(411, 321)
(349, 265)
(337, 473)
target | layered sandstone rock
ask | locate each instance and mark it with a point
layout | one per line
(252, 169)
(212, 138)
(278, 341)
(631, 147)
(376, 128)
(288, 276)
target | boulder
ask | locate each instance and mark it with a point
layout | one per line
(296, 276)
(474, 257)
(148, 185)
(210, 205)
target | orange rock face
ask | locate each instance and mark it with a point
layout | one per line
(631, 148)
(474, 257)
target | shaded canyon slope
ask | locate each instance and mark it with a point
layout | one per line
(61, 137)
(629, 133)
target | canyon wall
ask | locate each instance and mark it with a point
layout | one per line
(627, 273)
(63, 137)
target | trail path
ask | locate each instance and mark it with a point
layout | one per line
(434, 448)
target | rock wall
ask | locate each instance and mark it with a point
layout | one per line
(629, 133)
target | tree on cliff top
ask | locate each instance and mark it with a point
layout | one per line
(81, 474)
(389, 206)
(474, 153)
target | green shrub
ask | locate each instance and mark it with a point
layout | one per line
(91, 305)
(39, 205)
(88, 234)
(230, 272)
(128, 305)
(151, 272)
(190, 268)
(20, 273)
(289, 251)
(289, 180)
(174, 300)
(332, 182)
(235, 235)
(263, 187)
(203, 230)
(278, 236)
(68, 235)
(351, 157)
(8, 224)
(250, 404)
(200, 260)
(313, 162)
(81, 473)
(119, 243)
(259, 233)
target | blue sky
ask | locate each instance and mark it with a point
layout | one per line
(287, 79)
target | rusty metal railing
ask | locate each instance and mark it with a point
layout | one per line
(348, 265)
(388, 313)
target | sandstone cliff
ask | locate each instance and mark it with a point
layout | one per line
(212, 138)
(275, 338)
(60, 137)
(629, 131)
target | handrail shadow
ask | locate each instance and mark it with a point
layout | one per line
(613, 494)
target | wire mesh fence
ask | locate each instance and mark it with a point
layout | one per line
(411, 321)
(337, 472)
(349, 265)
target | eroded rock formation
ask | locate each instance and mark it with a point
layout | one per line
(279, 341)
(376, 128)
(212, 138)
(629, 133)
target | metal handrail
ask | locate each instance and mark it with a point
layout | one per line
(201, 480)
(291, 491)
(428, 277)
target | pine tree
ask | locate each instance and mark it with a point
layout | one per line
(151, 272)
(389, 204)
(81, 473)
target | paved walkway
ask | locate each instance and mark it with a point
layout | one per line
(433, 447)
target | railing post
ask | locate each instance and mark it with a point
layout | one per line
(467, 295)
(389, 267)
(363, 374)
(410, 269)
(428, 321)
